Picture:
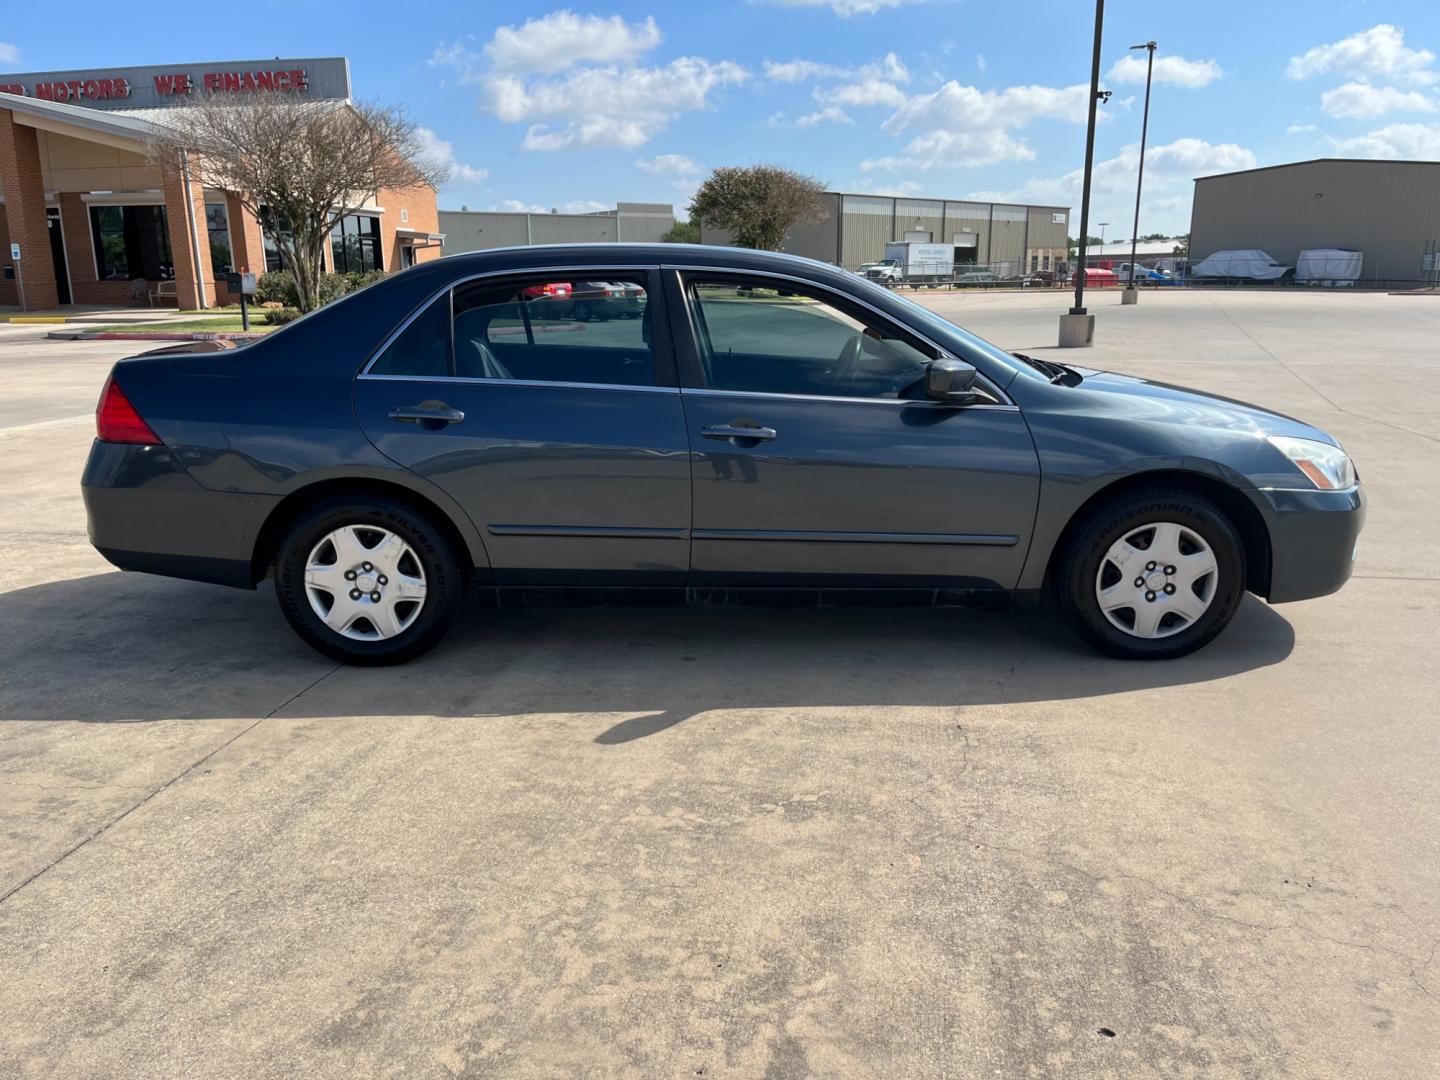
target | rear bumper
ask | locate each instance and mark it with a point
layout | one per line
(1313, 536)
(146, 513)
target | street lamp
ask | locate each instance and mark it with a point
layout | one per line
(1131, 295)
(1078, 328)
(1102, 225)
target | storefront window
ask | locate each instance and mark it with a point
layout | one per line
(217, 224)
(355, 244)
(268, 225)
(131, 242)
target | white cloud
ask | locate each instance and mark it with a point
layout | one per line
(954, 150)
(1299, 129)
(1175, 70)
(888, 67)
(1379, 52)
(1406, 141)
(607, 106)
(845, 8)
(668, 165)
(574, 206)
(563, 39)
(1358, 100)
(454, 55)
(964, 127)
(967, 108)
(869, 186)
(1168, 172)
(980, 61)
(831, 114)
(863, 94)
(442, 152)
(9, 54)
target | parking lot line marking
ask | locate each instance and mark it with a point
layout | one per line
(63, 421)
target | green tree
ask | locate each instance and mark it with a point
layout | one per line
(683, 232)
(758, 205)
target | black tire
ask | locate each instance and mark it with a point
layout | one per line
(1076, 570)
(442, 567)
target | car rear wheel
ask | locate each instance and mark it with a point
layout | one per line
(368, 581)
(1152, 575)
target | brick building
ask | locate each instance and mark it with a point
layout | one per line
(93, 216)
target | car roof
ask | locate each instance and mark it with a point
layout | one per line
(540, 256)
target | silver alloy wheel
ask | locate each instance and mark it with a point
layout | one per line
(365, 582)
(1157, 580)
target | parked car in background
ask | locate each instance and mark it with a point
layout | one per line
(601, 300)
(1144, 275)
(814, 436)
(1038, 278)
(976, 277)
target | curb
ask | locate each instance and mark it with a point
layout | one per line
(32, 320)
(91, 335)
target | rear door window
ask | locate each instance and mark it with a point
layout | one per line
(552, 330)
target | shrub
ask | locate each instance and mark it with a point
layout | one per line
(277, 287)
(281, 315)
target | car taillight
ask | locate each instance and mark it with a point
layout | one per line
(116, 420)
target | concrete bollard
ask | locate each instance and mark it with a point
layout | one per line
(1131, 295)
(1077, 331)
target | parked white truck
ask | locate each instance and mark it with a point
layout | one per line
(922, 262)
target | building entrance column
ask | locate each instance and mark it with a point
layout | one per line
(189, 239)
(24, 187)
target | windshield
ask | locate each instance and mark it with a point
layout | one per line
(954, 338)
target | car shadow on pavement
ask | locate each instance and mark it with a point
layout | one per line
(118, 647)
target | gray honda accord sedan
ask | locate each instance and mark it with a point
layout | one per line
(742, 426)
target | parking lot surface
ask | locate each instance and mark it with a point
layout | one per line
(663, 843)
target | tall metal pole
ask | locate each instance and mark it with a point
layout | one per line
(1140, 174)
(1079, 308)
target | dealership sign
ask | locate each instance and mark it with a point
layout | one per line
(174, 84)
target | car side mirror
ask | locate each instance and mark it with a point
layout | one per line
(951, 381)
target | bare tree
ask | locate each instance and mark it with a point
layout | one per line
(759, 204)
(308, 163)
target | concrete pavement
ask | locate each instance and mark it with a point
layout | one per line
(674, 843)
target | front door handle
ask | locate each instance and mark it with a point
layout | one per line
(739, 432)
(437, 414)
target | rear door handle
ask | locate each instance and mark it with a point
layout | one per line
(427, 415)
(740, 434)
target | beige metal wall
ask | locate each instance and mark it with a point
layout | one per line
(1389, 210)
(856, 228)
(478, 230)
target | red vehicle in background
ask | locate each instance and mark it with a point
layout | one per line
(1097, 275)
(560, 290)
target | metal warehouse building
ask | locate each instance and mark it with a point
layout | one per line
(1388, 210)
(478, 230)
(1010, 239)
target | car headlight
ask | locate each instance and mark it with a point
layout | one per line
(1327, 467)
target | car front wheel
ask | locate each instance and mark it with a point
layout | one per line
(1152, 575)
(368, 581)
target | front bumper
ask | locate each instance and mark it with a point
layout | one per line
(146, 513)
(1313, 537)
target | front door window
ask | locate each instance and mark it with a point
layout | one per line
(759, 337)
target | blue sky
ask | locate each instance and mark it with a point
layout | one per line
(576, 106)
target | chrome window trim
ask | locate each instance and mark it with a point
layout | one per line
(424, 306)
(643, 388)
(1005, 401)
(840, 398)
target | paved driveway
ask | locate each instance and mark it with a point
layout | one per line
(673, 843)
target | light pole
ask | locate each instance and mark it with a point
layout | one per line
(1078, 328)
(1131, 294)
(1102, 226)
